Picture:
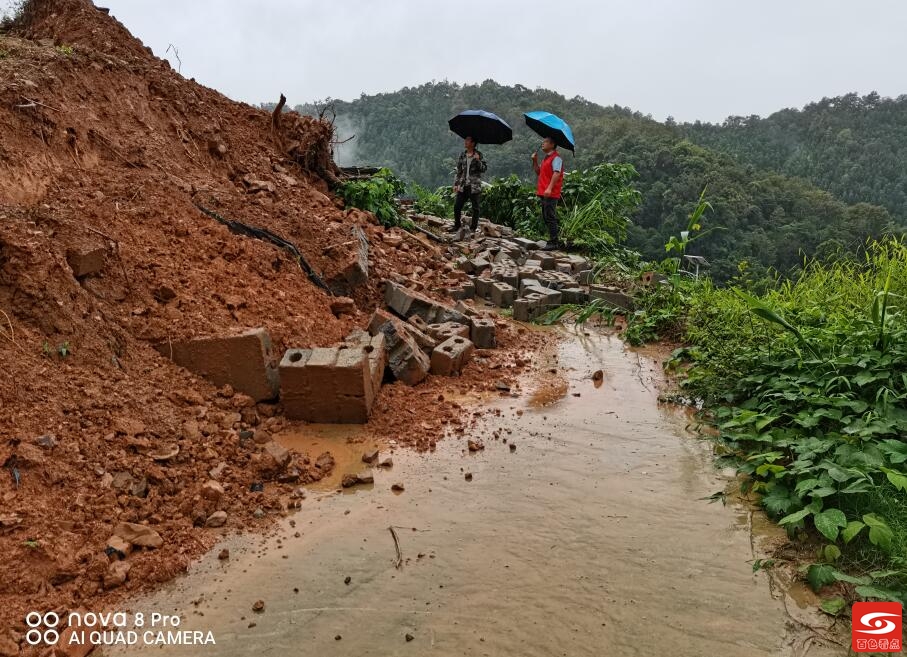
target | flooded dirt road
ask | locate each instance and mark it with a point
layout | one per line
(591, 538)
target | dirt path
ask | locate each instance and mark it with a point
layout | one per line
(590, 538)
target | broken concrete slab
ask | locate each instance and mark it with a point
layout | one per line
(354, 271)
(405, 358)
(412, 327)
(406, 303)
(242, 361)
(451, 356)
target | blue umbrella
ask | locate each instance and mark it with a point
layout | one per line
(552, 126)
(484, 127)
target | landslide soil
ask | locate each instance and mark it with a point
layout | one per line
(102, 145)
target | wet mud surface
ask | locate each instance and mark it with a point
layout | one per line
(591, 538)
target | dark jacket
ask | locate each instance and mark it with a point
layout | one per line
(470, 181)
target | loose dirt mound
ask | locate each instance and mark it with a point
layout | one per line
(102, 145)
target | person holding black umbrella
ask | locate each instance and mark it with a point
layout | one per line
(468, 183)
(548, 188)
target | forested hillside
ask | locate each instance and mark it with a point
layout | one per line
(853, 146)
(764, 218)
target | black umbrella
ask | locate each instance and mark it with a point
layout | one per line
(484, 127)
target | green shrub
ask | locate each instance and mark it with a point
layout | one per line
(376, 195)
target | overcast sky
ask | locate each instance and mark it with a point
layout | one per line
(692, 59)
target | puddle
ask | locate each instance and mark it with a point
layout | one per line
(343, 441)
(591, 538)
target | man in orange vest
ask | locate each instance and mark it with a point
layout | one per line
(550, 180)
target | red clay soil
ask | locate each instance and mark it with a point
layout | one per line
(103, 145)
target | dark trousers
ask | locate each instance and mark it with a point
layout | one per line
(549, 216)
(460, 201)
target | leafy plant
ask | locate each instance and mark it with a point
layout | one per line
(376, 195)
(64, 349)
(814, 371)
(438, 203)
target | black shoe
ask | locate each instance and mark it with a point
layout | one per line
(550, 246)
(454, 229)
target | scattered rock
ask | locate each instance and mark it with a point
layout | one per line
(468, 476)
(165, 452)
(138, 535)
(8, 647)
(365, 478)
(258, 514)
(349, 480)
(224, 554)
(503, 386)
(119, 547)
(116, 574)
(212, 490)
(47, 441)
(386, 462)
(475, 445)
(397, 488)
(409, 637)
(216, 519)
(512, 447)
(347, 580)
(343, 306)
(276, 456)
(258, 606)
(370, 456)
(598, 376)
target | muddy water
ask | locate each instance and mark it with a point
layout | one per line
(590, 539)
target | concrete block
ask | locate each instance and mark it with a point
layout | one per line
(548, 297)
(330, 384)
(546, 259)
(482, 333)
(243, 361)
(575, 295)
(524, 243)
(85, 262)
(584, 277)
(451, 356)
(533, 262)
(447, 330)
(525, 309)
(527, 272)
(479, 265)
(611, 295)
(406, 303)
(502, 294)
(511, 277)
(483, 287)
(528, 282)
